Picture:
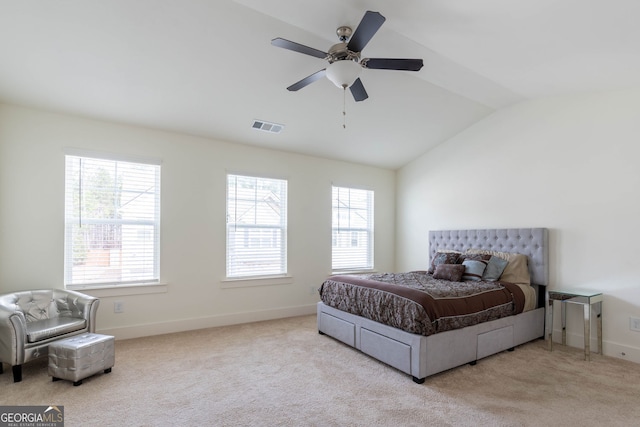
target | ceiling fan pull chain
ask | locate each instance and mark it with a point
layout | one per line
(344, 107)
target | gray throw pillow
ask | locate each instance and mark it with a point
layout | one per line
(495, 267)
(473, 270)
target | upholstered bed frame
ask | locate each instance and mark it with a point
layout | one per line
(421, 356)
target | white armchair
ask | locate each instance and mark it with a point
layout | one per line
(31, 320)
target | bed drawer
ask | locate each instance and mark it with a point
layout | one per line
(495, 341)
(385, 349)
(338, 329)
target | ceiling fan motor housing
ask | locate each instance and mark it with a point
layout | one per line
(339, 52)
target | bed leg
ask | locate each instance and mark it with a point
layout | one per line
(473, 363)
(418, 380)
(511, 349)
(321, 333)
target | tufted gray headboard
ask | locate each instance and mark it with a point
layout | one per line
(532, 242)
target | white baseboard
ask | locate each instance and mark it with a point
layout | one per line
(159, 328)
(621, 351)
(610, 348)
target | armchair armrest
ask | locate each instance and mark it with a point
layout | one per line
(13, 334)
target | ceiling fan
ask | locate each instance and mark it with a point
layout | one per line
(344, 59)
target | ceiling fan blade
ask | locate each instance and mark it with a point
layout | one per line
(297, 47)
(307, 80)
(357, 90)
(392, 64)
(368, 26)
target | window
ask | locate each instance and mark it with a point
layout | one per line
(112, 222)
(256, 226)
(352, 237)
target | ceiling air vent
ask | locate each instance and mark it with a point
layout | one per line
(267, 127)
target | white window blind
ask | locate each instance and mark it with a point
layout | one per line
(352, 237)
(112, 222)
(256, 226)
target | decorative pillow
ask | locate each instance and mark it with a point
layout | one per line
(475, 257)
(443, 258)
(450, 272)
(473, 269)
(516, 271)
(495, 268)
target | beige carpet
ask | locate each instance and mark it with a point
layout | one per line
(283, 373)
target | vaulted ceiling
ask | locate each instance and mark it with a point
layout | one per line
(207, 68)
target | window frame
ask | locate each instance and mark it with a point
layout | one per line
(368, 229)
(280, 230)
(70, 218)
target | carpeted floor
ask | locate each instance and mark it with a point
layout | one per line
(283, 373)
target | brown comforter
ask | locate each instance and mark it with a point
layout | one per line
(416, 302)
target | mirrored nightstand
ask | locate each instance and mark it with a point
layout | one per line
(587, 299)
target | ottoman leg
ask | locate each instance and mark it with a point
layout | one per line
(106, 371)
(77, 383)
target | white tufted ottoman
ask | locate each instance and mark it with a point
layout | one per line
(81, 356)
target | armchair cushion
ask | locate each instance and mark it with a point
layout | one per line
(38, 330)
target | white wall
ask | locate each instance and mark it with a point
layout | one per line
(194, 171)
(570, 164)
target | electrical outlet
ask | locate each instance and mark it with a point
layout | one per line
(118, 307)
(634, 324)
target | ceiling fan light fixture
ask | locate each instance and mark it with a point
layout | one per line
(343, 73)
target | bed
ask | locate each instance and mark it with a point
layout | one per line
(420, 351)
